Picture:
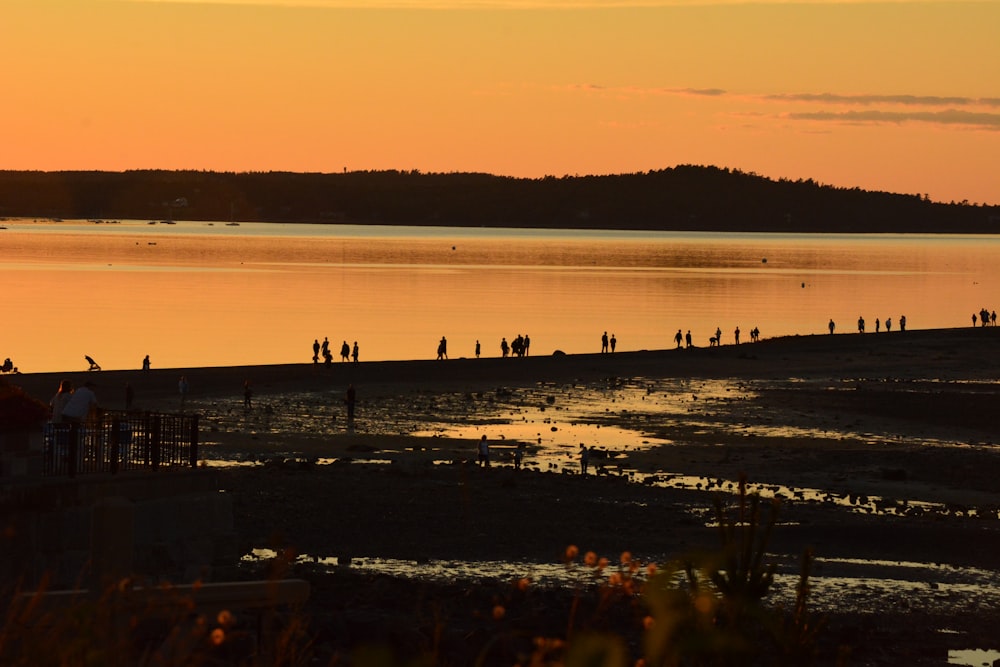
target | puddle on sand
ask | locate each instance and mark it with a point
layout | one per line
(615, 417)
(974, 657)
(840, 585)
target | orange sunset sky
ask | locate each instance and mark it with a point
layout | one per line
(899, 96)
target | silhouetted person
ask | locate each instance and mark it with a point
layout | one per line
(736, 334)
(902, 322)
(326, 346)
(478, 349)
(504, 347)
(584, 458)
(345, 351)
(354, 352)
(443, 348)
(604, 342)
(832, 326)
(878, 325)
(861, 325)
(145, 363)
(888, 324)
(678, 337)
(247, 395)
(687, 338)
(94, 366)
(527, 344)
(518, 455)
(316, 350)
(484, 452)
(350, 399)
(614, 342)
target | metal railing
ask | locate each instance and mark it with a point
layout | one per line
(119, 441)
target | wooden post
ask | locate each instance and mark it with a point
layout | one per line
(115, 441)
(73, 448)
(193, 453)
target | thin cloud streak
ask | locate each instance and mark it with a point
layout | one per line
(523, 4)
(985, 121)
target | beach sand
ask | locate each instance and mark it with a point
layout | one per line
(881, 446)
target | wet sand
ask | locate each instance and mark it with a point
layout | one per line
(882, 447)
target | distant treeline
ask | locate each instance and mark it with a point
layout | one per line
(689, 198)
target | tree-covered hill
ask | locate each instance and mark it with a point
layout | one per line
(690, 198)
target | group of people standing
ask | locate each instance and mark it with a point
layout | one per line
(986, 318)
(518, 347)
(347, 353)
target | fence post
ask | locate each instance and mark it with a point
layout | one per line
(116, 425)
(193, 452)
(155, 442)
(73, 448)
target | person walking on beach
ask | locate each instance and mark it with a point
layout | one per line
(345, 351)
(604, 342)
(504, 347)
(861, 324)
(614, 342)
(354, 352)
(316, 350)
(350, 400)
(832, 326)
(484, 452)
(182, 389)
(584, 458)
(443, 348)
(678, 337)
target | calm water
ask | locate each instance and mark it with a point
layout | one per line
(208, 294)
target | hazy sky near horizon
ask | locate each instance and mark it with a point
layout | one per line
(901, 96)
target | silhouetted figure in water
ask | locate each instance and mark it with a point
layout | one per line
(518, 455)
(604, 342)
(94, 366)
(350, 400)
(484, 452)
(584, 458)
